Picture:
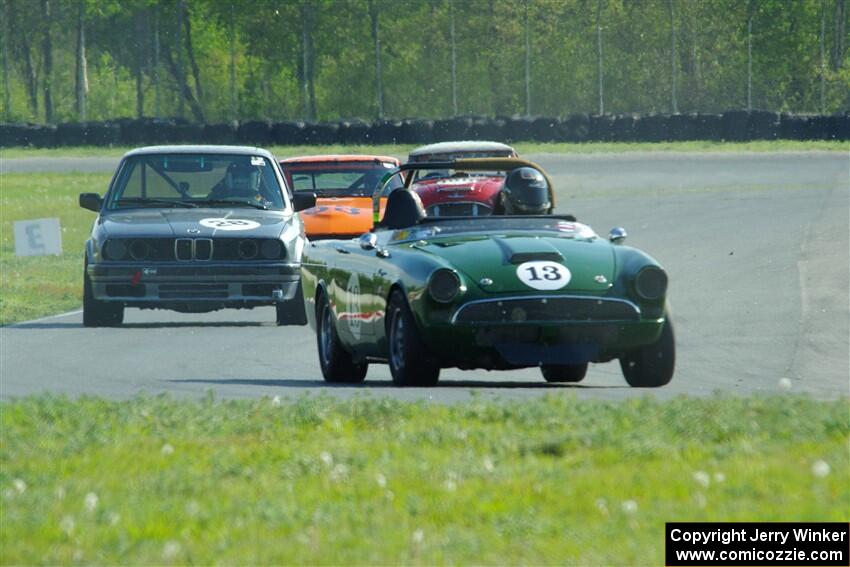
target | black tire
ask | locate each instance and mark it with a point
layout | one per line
(410, 363)
(99, 313)
(564, 372)
(652, 366)
(336, 362)
(291, 312)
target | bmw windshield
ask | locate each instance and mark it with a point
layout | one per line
(196, 180)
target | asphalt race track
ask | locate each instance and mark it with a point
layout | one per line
(756, 246)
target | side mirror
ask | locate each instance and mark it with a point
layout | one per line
(91, 201)
(368, 241)
(617, 235)
(303, 200)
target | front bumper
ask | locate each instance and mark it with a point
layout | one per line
(566, 330)
(225, 284)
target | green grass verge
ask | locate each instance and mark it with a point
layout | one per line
(320, 481)
(35, 286)
(522, 148)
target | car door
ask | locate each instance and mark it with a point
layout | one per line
(354, 304)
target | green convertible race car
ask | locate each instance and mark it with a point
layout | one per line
(494, 292)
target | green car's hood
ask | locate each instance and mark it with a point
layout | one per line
(590, 263)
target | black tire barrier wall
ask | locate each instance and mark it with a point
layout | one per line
(735, 125)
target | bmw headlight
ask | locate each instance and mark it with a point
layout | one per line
(270, 249)
(444, 286)
(139, 249)
(248, 249)
(115, 249)
(651, 283)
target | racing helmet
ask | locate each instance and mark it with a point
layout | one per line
(242, 180)
(526, 192)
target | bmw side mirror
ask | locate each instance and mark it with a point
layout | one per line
(303, 200)
(368, 241)
(617, 235)
(91, 201)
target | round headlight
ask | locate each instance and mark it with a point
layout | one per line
(139, 249)
(270, 249)
(248, 249)
(115, 249)
(444, 286)
(651, 283)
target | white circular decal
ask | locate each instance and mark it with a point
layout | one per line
(352, 296)
(230, 224)
(543, 275)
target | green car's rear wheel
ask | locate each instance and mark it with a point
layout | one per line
(410, 363)
(564, 372)
(337, 363)
(99, 313)
(652, 366)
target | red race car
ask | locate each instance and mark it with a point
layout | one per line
(458, 193)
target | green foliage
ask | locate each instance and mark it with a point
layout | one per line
(317, 480)
(711, 57)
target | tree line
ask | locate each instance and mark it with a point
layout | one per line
(321, 60)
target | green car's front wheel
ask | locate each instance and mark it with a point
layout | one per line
(564, 372)
(410, 364)
(337, 363)
(652, 366)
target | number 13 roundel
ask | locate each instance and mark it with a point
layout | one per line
(543, 275)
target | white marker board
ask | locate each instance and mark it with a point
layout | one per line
(39, 237)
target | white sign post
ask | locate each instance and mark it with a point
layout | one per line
(39, 237)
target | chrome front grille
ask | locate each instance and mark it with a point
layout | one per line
(183, 249)
(459, 210)
(203, 249)
(542, 309)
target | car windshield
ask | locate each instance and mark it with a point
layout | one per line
(196, 180)
(422, 174)
(335, 179)
(445, 226)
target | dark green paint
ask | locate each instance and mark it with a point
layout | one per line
(328, 267)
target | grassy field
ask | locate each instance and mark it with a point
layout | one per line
(320, 481)
(31, 287)
(522, 148)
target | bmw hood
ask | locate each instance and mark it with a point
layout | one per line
(219, 222)
(523, 263)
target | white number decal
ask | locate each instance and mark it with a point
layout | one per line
(543, 275)
(229, 224)
(352, 293)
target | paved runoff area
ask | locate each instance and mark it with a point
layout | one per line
(756, 245)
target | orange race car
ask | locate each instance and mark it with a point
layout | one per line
(343, 185)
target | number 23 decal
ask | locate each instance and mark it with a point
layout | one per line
(543, 275)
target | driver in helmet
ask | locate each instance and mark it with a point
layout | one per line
(241, 181)
(526, 192)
